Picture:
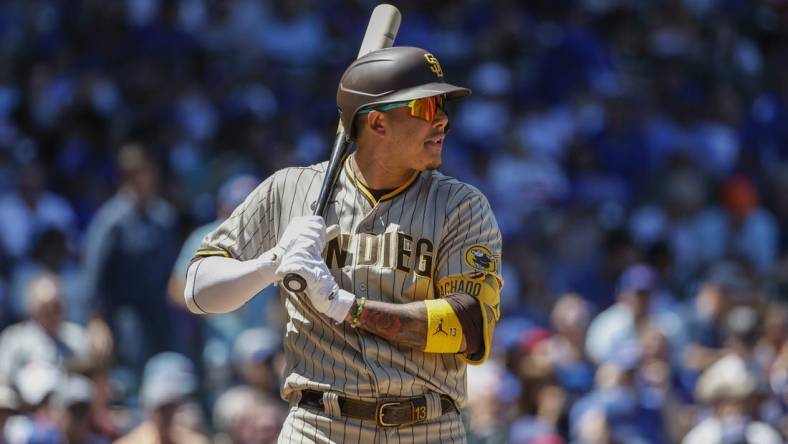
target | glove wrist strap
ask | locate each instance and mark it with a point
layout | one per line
(340, 306)
(266, 264)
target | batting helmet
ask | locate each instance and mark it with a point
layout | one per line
(391, 75)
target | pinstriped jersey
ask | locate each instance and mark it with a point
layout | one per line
(394, 249)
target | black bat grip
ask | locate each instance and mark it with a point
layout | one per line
(339, 152)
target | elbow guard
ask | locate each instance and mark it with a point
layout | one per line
(486, 290)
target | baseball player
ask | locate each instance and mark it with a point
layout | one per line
(402, 288)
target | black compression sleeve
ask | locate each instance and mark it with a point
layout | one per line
(469, 313)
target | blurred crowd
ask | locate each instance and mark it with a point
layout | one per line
(635, 154)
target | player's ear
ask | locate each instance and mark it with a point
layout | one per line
(376, 121)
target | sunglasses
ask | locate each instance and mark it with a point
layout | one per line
(424, 108)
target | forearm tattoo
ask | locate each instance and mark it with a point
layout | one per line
(404, 324)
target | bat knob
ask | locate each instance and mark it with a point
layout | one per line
(294, 282)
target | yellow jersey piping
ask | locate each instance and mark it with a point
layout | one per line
(203, 253)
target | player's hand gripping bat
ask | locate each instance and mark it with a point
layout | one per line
(381, 32)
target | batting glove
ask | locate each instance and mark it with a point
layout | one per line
(304, 232)
(321, 288)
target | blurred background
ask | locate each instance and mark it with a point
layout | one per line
(635, 154)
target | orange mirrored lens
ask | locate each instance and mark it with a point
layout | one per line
(426, 107)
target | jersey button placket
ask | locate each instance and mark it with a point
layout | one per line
(367, 224)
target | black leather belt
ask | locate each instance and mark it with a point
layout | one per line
(385, 413)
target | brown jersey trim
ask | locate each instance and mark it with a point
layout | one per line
(359, 186)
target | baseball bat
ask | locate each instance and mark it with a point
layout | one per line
(381, 32)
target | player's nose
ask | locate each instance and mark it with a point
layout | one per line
(441, 119)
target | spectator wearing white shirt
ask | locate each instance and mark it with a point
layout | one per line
(45, 336)
(620, 323)
(8, 407)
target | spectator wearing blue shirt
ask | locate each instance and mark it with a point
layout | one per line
(31, 210)
(131, 245)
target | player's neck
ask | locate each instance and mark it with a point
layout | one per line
(376, 172)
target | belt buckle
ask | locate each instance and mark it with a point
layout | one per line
(380, 413)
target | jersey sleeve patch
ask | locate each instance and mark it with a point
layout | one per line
(481, 259)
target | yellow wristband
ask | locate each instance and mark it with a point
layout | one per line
(444, 331)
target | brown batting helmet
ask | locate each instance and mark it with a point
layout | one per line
(391, 75)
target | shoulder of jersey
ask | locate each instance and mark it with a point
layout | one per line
(318, 168)
(460, 191)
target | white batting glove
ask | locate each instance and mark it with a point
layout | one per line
(321, 287)
(306, 232)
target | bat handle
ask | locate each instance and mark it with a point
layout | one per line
(294, 282)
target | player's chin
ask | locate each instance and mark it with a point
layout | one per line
(433, 159)
(433, 164)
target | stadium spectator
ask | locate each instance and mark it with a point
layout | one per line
(752, 229)
(258, 358)
(37, 383)
(566, 347)
(487, 418)
(45, 336)
(31, 210)
(620, 324)
(130, 248)
(724, 285)
(242, 415)
(726, 387)
(51, 254)
(8, 407)
(73, 402)
(168, 383)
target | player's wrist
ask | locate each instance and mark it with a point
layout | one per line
(266, 263)
(341, 305)
(351, 314)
